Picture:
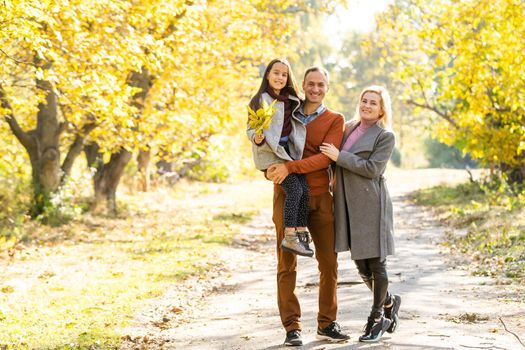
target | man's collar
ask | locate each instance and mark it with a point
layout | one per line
(318, 111)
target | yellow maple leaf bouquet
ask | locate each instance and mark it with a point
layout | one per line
(260, 120)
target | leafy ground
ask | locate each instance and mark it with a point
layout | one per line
(78, 285)
(487, 226)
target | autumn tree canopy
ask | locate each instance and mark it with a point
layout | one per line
(463, 61)
(131, 75)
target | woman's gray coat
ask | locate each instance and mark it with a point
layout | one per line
(363, 208)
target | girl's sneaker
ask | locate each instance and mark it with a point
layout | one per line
(293, 242)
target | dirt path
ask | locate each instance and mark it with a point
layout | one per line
(443, 306)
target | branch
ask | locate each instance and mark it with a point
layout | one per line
(428, 106)
(14, 59)
(471, 177)
(435, 110)
(496, 107)
(86, 129)
(25, 139)
(514, 334)
(65, 109)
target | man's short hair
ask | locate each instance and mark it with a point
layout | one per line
(317, 69)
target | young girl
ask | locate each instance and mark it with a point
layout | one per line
(284, 141)
(363, 208)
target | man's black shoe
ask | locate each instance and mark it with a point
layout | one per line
(391, 313)
(377, 330)
(332, 333)
(293, 338)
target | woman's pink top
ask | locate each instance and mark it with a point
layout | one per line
(355, 135)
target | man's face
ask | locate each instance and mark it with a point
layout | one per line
(315, 86)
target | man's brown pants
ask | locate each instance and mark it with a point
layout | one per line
(321, 227)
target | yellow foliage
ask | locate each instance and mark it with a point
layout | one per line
(463, 60)
(201, 59)
(260, 120)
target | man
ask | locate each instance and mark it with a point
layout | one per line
(322, 125)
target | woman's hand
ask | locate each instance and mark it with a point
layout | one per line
(330, 151)
(258, 139)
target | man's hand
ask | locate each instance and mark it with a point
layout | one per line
(330, 151)
(277, 173)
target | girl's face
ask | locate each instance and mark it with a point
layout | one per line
(370, 107)
(277, 77)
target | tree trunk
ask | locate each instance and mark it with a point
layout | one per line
(106, 180)
(74, 151)
(42, 145)
(163, 167)
(515, 174)
(94, 159)
(144, 81)
(183, 171)
(108, 175)
(45, 177)
(143, 161)
(166, 173)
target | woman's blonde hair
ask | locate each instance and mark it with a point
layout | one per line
(386, 105)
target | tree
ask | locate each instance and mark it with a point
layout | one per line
(128, 76)
(56, 69)
(463, 61)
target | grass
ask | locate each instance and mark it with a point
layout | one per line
(488, 222)
(77, 286)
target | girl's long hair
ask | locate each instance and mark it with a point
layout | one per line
(386, 105)
(291, 85)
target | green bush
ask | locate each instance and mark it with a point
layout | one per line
(396, 157)
(15, 196)
(67, 204)
(440, 155)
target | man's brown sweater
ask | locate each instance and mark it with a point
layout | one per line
(327, 127)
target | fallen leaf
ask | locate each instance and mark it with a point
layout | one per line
(176, 310)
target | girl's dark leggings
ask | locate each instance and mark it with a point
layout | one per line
(373, 272)
(296, 200)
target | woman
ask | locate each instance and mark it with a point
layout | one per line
(363, 208)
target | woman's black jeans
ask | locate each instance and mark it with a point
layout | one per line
(373, 273)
